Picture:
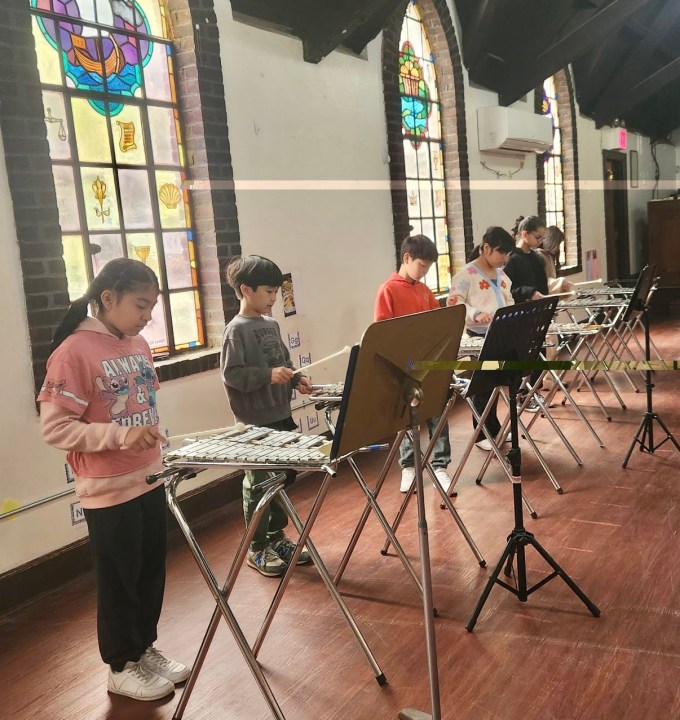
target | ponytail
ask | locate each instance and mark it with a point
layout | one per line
(526, 224)
(121, 275)
(515, 228)
(497, 238)
(74, 316)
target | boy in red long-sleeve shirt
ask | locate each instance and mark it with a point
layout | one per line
(404, 293)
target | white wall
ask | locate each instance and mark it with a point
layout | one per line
(309, 153)
(306, 140)
(646, 190)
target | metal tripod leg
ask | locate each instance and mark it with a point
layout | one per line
(428, 613)
(221, 596)
(494, 447)
(519, 538)
(371, 501)
(304, 530)
(445, 500)
(391, 537)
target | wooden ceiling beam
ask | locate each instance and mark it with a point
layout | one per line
(531, 71)
(322, 26)
(609, 105)
(648, 87)
(475, 36)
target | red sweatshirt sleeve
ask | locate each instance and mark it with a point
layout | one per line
(383, 305)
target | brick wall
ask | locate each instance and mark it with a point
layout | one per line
(444, 45)
(32, 187)
(31, 182)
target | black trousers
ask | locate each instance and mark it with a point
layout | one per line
(492, 423)
(128, 545)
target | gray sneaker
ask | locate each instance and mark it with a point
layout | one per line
(267, 562)
(285, 548)
(169, 669)
(138, 682)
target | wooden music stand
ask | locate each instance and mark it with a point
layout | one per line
(384, 395)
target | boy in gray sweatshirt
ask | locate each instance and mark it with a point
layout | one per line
(259, 380)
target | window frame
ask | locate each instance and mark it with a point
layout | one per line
(67, 93)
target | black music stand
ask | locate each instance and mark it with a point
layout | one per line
(639, 303)
(384, 395)
(517, 333)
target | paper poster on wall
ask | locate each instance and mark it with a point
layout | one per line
(294, 340)
(69, 474)
(312, 421)
(77, 514)
(288, 295)
(305, 360)
(592, 265)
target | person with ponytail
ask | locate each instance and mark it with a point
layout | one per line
(98, 402)
(525, 267)
(484, 288)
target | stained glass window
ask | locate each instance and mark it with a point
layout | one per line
(113, 127)
(552, 164)
(422, 138)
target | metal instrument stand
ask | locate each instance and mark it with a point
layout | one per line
(519, 538)
(518, 333)
(274, 486)
(644, 437)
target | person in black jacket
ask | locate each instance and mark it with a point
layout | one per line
(525, 266)
(526, 269)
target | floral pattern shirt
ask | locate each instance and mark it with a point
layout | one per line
(480, 294)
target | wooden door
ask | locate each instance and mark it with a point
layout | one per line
(616, 215)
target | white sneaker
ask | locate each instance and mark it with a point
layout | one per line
(169, 669)
(137, 681)
(484, 445)
(443, 478)
(408, 475)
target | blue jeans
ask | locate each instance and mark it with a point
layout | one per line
(441, 455)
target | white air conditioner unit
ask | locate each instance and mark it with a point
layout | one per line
(504, 129)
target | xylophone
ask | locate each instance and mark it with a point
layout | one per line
(245, 445)
(470, 345)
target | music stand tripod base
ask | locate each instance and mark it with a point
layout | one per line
(644, 437)
(517, 333)
(413, 714)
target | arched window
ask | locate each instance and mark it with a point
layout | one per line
(423, 148)
(558, 199)
(111, 111)
(552, 161)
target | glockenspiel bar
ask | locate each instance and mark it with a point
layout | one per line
(254, 445)
(333, 390)
(573, 329)
(591, 303)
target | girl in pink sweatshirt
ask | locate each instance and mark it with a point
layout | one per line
(98, 402)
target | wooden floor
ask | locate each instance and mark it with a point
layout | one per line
(614, 531)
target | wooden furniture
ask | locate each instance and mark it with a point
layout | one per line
(663, 218)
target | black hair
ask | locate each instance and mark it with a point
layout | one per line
(419, 247)
(528, 224)
(121, 275)
(497, 238)
(253, 271)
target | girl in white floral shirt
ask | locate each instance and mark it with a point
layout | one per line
(483, 287)
(481, 284)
